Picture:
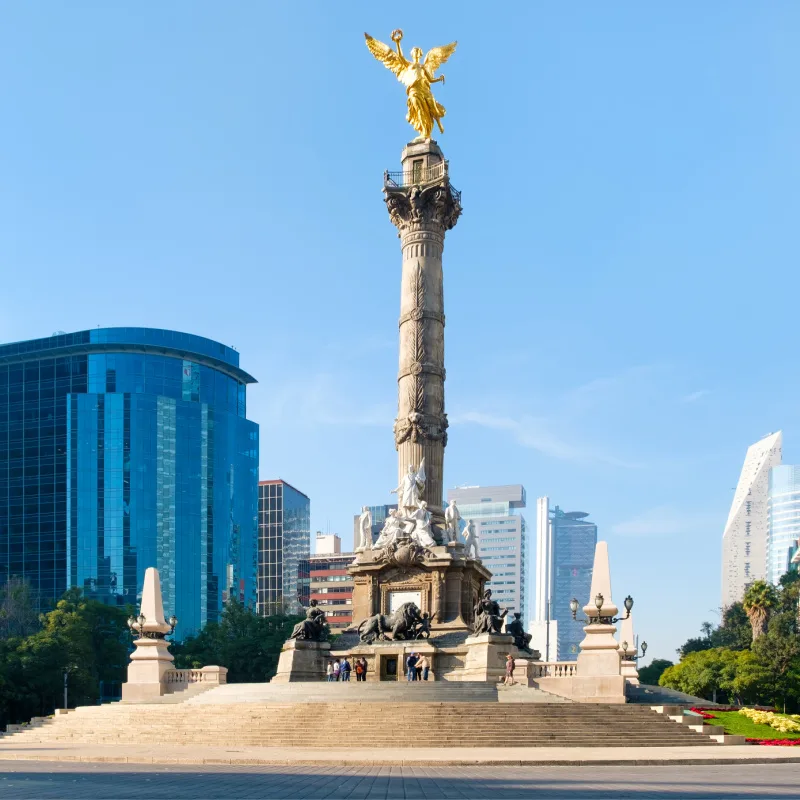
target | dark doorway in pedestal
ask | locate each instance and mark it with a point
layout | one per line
(389, 671)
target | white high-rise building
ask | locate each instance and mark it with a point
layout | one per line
(502, 536)
(744, 541)
(544, 629)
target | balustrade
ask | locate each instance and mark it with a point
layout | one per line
(555, 669)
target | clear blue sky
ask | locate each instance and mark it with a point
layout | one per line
(621, 290)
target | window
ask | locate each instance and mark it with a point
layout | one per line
(416, 171)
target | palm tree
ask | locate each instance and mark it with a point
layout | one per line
(759, 599)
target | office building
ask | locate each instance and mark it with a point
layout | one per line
(327, 544)
(332, 585)
(543, 627)
(284, 545)
(502, 536)
(783, 518)
(379, 514)
(744, 540)
(122, 449)
(568, 541)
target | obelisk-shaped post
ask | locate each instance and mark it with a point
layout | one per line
(423, 206)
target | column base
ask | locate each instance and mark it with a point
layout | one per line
(302, 661)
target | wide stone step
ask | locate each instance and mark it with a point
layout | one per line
(286, 722)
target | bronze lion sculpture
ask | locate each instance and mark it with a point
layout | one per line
(400, 624)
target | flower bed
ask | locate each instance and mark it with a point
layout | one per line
(775, 742)
(780, 722)
(755, 724)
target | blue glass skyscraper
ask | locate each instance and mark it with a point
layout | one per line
(124, 448)
(783, 518)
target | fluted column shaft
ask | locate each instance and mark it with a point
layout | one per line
(423, 206)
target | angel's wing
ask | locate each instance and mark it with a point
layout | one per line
(388, 57)
(421, 471)
(436, 56)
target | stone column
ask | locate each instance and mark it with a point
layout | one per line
(151, 659)
(423, 206)
(599, 654)
(628, 666)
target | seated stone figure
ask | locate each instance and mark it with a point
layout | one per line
(389, 532)
(313, 628)
(488, 618)
(422, 534)
(517, 630)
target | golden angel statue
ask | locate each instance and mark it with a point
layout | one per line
(423, 110)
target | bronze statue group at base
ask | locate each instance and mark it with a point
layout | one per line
(406, 623)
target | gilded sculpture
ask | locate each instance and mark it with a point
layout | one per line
(417, 76)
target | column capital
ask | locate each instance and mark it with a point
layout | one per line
(436, 206)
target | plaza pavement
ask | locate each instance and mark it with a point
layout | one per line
(43, 781)
(394, 755)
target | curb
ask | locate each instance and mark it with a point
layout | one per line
(407, 762)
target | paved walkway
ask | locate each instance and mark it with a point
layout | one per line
(42, 781)
(439, 756)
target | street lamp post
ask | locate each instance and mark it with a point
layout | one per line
(598, 619)
(635, 658)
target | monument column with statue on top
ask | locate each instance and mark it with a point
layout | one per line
(418, 587)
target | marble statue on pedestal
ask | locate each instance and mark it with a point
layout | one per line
(313, 628)
(488, 617)
(409, 492)
(364, 531)
(389, 532)
(515, 628)
(451, 519)
(421, 533)
(471, 539)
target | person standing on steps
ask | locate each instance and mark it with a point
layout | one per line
(424, 666)
(337, 668)
(345, 670)
(509, 681)
(329, 672)
(361, 669)
(411, 667)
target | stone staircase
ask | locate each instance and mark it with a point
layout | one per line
(385, 692)
(370, 724)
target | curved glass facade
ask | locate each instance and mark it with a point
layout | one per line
(783, 518)
(124, 448)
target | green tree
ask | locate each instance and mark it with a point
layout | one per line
(697, 674)
(18, 615)
(741, 675)
(778, 653)
(650, 674)
(734, 631)
(84, 638)
(247, 644)
(759, 600)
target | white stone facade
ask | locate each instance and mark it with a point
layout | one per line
(744, 540)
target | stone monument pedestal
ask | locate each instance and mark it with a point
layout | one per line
(486, 657)
(629, 672)
(151, 659)
(150, 662)
(302, 660)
